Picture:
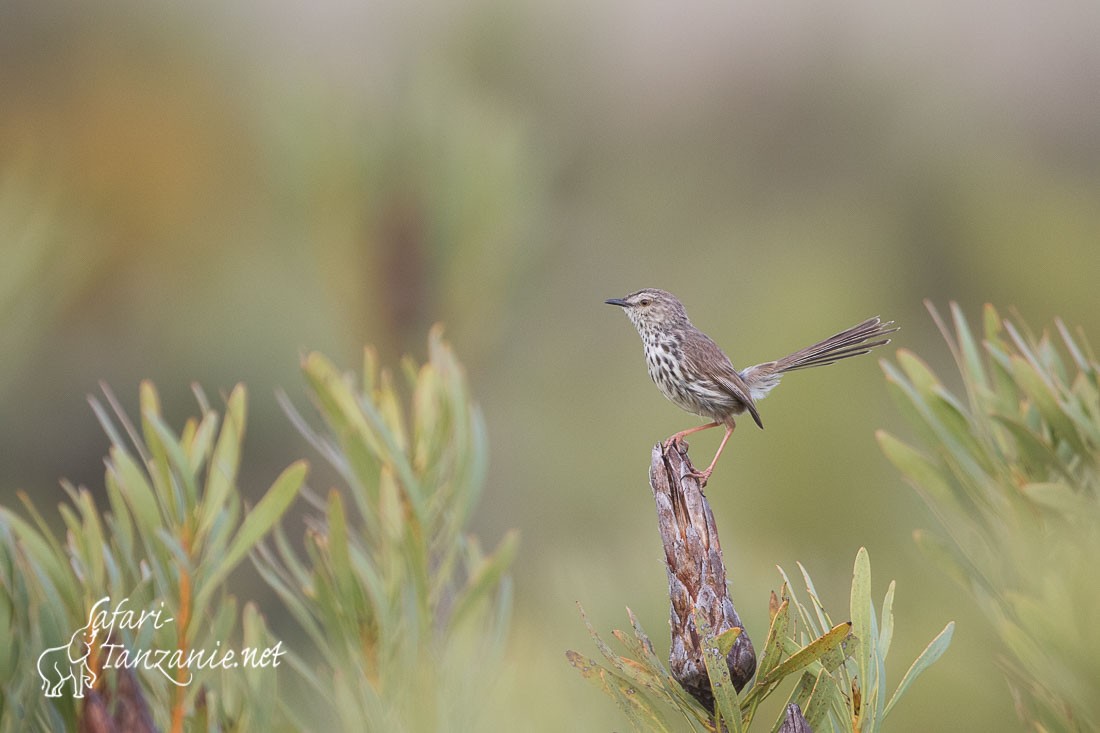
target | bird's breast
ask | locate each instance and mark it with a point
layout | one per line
(687, 390)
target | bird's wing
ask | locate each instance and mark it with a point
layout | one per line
(733, 384)
(703, 357)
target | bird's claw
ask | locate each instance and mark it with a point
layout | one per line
(672, 442)
(703, 476)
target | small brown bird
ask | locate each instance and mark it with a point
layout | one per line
(692, 372)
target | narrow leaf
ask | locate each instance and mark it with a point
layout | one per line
(862, 610)
(221, 474)
(256, 524)
(886, 632)
(727, 708)
(931, 653)
(810, 653)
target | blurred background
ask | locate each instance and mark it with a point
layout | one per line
(200, 193)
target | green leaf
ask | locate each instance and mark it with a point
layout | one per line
(773, 645)
(641, 671)
(917, 370)
(823, 698)
(1071, 345)
(824, 622)
(862, 611)
(95, 549)
(642, 712)
(679, 697)
(1033, 450)
(485, 578)
(770, 658)
(970, 364)
(799, 696)
(221, 474)
(804, 614)
(610, 655)
(391, 414)
(197, 441)
(589, 668)
(106, 423)
(727, 639)
(923, 472)
(357, 418)
(959, 433)
(338, 551)
(168, 491)
(642, 646)
(137, 492)
(931, 653)
(120, 523)
(810, 653)
(726, 707)
(1061, 499)
(182, 481)
(1039, 389)
(886, 632)
(256, 524)
(41, 548)
(991, 323)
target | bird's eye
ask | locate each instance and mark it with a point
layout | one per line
(644, 301)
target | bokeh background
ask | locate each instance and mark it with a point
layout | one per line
(200, 192)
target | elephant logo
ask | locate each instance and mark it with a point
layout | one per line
(59, 664)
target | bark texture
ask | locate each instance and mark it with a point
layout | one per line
(696, 575)
(793, 722)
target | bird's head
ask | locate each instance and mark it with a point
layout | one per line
(652, 310)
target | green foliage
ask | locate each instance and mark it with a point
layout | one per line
(825, 660)
(1012, 472)
(406, 612)
(173, 531)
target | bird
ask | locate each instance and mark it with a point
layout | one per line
(696, 375)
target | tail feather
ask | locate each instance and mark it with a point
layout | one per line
(834, 356)
(850, 342)
(858, 339)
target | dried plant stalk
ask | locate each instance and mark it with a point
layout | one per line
(696, 576)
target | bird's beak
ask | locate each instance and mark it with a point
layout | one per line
(617, 301)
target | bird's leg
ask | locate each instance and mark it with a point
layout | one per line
(704, 475)
(679, 437)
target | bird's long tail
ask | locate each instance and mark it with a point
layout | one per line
(858, 339)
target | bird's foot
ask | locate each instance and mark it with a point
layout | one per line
(703, 476)
(673, 442)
